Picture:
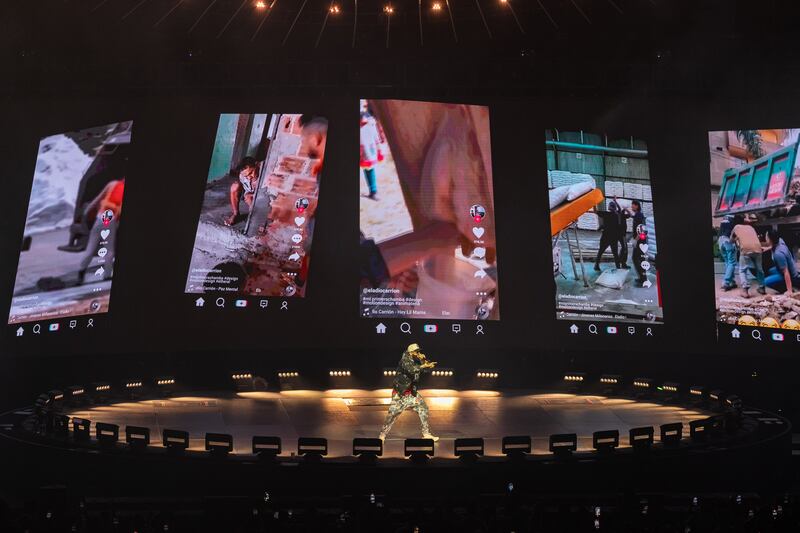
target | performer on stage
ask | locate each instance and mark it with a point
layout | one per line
(405, 395)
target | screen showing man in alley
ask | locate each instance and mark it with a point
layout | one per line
(755, 186)
(257, 219)
(426, 211)
(67, 260)
(602, 226)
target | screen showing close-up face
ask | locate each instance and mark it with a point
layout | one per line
(66, 264)
(427, 212)
(257, 217)
(603, 229)
(754, 190)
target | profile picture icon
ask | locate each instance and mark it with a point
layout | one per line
(477, 212)
(107, 217)
(301, 204)
(290, 290)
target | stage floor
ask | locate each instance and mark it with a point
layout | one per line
(340, 415)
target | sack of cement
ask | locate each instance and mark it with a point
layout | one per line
(589, 221)
(632, 190)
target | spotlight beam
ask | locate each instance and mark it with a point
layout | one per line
(388, 26)
(615, 6)
(547, 13)
(302, 6)
(168, 13)
(452, 22)
(98, 6)
(419, 11)
(355, 21)
(203, 14)
(324, 23)
(485, 24)
(230, 20)
(583, 14)
(514, 13)
(263, 20)
(134, 8)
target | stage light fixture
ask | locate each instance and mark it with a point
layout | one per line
(697, 392)
(55, 396)
(367, 447)
(516, 445)
(175, 440)
(563, 443)
(468, 448)
(418, 449)
(133, 384)
(219, 443)
(312, 448)
(165, 382)
(442, 373)
(670, 387)
(241, 376)
(106, 434)
(75, 391)
(699, 429)
(137, 437)
(101, 387)
(388, 9)
(266, 446)
(288, 374)
(243, 381)
(611, 379)
(389, 372)
(436, 6)
(487, 374)
(733, 402)
(334, 9)
(671, 434)
(339, 373)
(641, 438)
(261, 5)
(605, 441)
(575, 377)
(644, 384)
(80, 429)
(716, 395)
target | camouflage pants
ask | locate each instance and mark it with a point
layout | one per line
(400, 404)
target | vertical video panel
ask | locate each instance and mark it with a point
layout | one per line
(755, 187)
(603, 230)
(427, 212)
(66, 264)
(257, 219)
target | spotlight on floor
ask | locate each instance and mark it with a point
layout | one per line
(312, 448)
(671, 434)
(563, 444)
(468, 449)
(175, 440)
(642, 386)
(266, 447)
(137, 437)
(418, 449)
(219, 444)
(106, 434)
(80, 429)
(243, 381)
(367, 449)
(610, 383)
(605, 441)
(574, 380)
(641, 438)
(516, 446)
(699, 429)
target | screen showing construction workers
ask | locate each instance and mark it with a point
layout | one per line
(755, 187)
(257, 218)
(602, 225)
(427, 212)
(66, 263)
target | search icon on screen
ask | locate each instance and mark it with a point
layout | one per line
(756, 334)
(405, 327)
(37, 329)
(592, 329)
(220, 302)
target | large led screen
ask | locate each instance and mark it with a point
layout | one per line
(603, 229)
(257, 218)
(427, 212)
(755, 187)
(66, 264)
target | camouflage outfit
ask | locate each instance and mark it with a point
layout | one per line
(405, 395)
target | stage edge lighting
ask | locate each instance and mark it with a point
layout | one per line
(219, 443)
(418, 449)
(106, 434)
(367, 447)
(487, 374)
(137, 437)
(699, 429)
(288, 374)
(516, 445)
(563, 443)
(175, 440)
(312, 447)
(266, 446)
(389, 372)
(671, 434)
(641, 438)
(442, 373)
(605, 441)
(339, 373)
(80, 429)
(468, 448)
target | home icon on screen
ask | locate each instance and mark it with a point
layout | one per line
(380, 329)
(20, 331)
(735, 334)
(200, 302)
(573, 328)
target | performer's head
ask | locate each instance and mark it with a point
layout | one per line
(414, 349)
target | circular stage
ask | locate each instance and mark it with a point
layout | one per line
(344, 414)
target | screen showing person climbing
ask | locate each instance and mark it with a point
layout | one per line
(66, 264)
(755, 186)
(257, 218)
(603, 231)
(427, 212)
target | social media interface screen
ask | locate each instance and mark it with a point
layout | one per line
(66, 263)
(426, 211)
(603, 229)
(257, 218)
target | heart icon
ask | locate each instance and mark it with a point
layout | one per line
(643, 247)
(480, 252)
(478, 232)
(296, 238)
(299, 220)
(105, 233)
(647, 284)
(480, 274)
(646, 265)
